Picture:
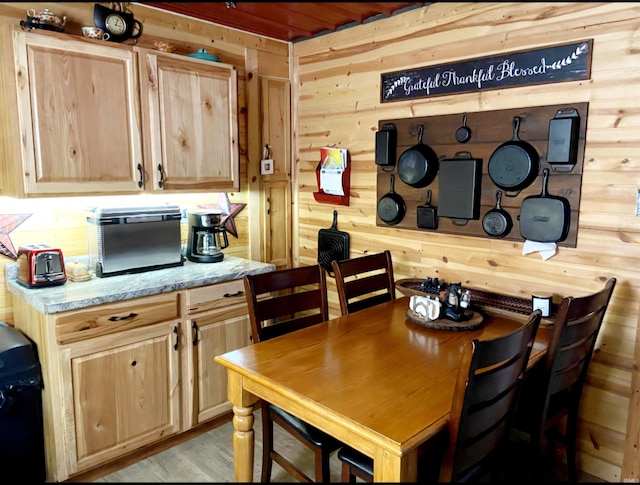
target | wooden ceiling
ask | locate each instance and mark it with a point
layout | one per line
(287, 21)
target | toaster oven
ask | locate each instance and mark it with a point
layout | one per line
(133, 240)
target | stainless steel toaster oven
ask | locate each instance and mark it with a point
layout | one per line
(134, 239)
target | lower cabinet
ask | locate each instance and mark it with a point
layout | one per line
(219, 323)
(123, 394)
(124, 375)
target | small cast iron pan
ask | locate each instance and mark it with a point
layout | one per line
(545, 218)
(418, 165)
(497, 222)
(426, 215)
(463, 134)
(515, 164)
(391, 206)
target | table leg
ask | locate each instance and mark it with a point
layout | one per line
(391, 468)
(243, 439)
(243, 443)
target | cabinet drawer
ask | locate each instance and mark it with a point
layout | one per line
(215, 297)
(110, 318)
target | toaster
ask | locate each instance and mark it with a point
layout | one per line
(40, 265)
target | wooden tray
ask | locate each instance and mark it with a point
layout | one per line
(485, 301)
(446, 324)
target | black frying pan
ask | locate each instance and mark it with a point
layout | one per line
(463, 134)
(418, 165)
(497, 222)
(332, 244)
(544, 217)
(515, 164)
(391, 206)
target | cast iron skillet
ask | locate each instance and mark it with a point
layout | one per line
(418, 165)
(391, 206)
(515, 164)
(497, 222)
(544, 217)
(463, 134)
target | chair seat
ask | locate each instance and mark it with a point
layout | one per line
(309, 432)
(356, 459)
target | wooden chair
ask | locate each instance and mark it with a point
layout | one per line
(365, 281)
(554, 392)
(281, 302)
(484, 402)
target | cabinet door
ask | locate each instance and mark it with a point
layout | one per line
(277, 223)
(276, 188)
(190, 121)
(123, 396)
(79, 116)
(213, 336)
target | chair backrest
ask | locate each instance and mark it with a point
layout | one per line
(571, 345)
(286, 300)
(365, 281)
(484, 402)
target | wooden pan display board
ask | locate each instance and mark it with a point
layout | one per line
(489, 130)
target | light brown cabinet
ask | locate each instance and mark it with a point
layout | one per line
(123, 394)
(114, 119)
(218, 321)
(275, 108)
(120, 376)
(79, 116)
(190, 122)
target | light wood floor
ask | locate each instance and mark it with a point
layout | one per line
(208, 457)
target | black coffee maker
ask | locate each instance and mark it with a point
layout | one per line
(206, 238)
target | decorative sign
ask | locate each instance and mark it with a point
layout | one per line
(569, 62)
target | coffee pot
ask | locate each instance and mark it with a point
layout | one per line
(206, 237)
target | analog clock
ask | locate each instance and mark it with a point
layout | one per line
(115, 24)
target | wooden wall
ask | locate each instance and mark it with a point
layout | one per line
(337, 103)
(336, 97)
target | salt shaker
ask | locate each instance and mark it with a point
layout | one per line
(465, 299)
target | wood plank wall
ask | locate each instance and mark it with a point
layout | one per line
(337, 103)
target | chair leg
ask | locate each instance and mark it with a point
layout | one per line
(570, 443)
(346, 476)
(321, 461)
(267, 444)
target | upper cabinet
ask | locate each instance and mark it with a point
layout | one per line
(78, 115)
(100, 118)
(190, 119)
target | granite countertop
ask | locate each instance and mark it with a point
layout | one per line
(96, 291)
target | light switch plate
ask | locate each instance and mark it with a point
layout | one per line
(266, 166)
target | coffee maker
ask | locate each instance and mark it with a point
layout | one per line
(206, 237)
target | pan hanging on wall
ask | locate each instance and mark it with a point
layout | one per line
(332, 245)
(515, 164)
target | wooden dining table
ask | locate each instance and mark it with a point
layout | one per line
(374, 379)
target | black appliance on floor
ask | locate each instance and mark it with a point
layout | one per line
(22, 437)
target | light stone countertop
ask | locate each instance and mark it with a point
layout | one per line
(96, 291)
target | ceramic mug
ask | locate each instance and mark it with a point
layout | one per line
(95, 33)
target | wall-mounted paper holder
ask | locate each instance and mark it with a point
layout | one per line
(321, 195)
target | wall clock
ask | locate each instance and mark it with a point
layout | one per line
(120, 24)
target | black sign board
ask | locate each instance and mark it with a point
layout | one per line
(569, 62)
